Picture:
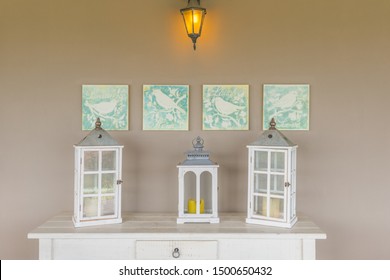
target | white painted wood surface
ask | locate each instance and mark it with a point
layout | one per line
(136, 238)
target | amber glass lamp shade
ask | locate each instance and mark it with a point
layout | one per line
(193, 16)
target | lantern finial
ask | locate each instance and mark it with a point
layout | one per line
(272, 124)
(98, 124)
(198, 146)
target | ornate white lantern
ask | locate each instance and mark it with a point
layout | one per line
(97, 181)
(272, 180)
(198, 187)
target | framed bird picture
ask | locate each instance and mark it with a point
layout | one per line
(165, 107)
(109, 103)
(288, 105)
(225, 107)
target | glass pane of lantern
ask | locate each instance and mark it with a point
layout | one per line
(260, 183)
(108, 183)
(108, 205)
(277, 184)
(261, 160)
(90, 184)
(90, 207)
(189, 193)
(197, 18)
(277, 161)
(260, 205)
(108, 160)
(187, 16)
(193, 20)
(276, 208)
(206, 193)
(91, 160)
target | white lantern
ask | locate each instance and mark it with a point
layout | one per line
(272, 180)
(97, 181)
(198, 187)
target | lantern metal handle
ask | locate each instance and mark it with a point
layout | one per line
(176, 253)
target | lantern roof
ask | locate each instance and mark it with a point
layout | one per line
(98, 137)
(198, 156)
(273, 137)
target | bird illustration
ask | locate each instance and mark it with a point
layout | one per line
(224, 107)
(166, 102)
(102, 108)
(287, 101)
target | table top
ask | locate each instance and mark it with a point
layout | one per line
(152, 225)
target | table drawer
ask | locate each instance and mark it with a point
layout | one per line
(91, 249)
(176, 249)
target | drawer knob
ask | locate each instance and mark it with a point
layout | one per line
(176, 253)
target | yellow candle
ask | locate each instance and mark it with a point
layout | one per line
(202, 206)
(191, 206)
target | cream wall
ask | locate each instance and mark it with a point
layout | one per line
(49, 48)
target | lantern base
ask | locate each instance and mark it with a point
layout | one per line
(211, 220)
(96, 222)
(272, 223)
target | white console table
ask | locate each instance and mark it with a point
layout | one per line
(157, 236)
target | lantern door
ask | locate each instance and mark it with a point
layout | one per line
(99, 184)
(269, 180)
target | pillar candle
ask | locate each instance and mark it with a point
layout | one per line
(275, 202)
(202, 206)
(191, 206)
(264, 207)
(274, 207)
